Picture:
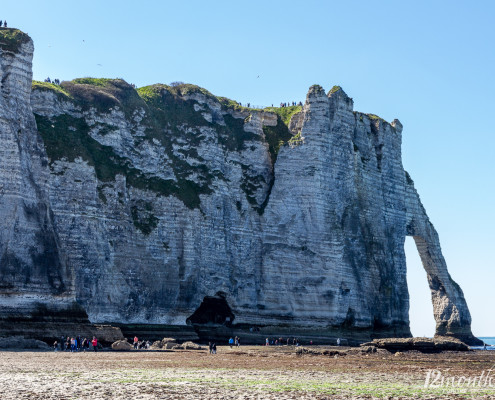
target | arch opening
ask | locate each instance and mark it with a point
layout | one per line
(421, 319)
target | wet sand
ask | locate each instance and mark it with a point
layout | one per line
(250, 372)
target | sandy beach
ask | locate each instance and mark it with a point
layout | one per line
(245, 373)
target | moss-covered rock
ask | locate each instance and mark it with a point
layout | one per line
(12, 39)
(67, 138)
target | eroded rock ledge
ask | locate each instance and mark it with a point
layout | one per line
(424, 345)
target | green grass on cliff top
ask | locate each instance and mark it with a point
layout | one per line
(285, 113)
(49, 87)
(12, 39)
(155, 92)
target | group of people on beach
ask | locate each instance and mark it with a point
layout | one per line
(212, 347)
(141, 345)
(75, 344)
(280, 342)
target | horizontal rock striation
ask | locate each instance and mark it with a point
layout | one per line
(168, 205)
(36, 282)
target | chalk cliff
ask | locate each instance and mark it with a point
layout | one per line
(168, 205)
(36, 282)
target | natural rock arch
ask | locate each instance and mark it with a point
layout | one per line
(450, 310)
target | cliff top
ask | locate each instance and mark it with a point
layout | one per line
(104, 93)
(11, 39)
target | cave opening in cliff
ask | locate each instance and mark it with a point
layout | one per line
(421, 320)
(213, 310)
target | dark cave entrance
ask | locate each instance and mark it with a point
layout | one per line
(213, 310)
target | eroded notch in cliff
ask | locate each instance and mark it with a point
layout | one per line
(213, 310)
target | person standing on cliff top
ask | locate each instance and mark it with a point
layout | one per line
(5, 24)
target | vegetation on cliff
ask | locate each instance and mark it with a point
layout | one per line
(285, 113)
(234, 105)
(276, 136)
(68, 138)
(171, 115)
(103, 94)
(51, 87)
(12, 39)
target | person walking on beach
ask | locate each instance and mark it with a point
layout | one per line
(267, 342)
(94, 342)
(338, 341)
(231, 342)
(214, 348)
(136, 341)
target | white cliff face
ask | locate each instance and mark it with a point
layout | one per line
(167, 198)
(33, 269)
(141, 255)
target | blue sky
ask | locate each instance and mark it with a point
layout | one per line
(428, 63)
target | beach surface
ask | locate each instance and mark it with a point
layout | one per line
(248, 372)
